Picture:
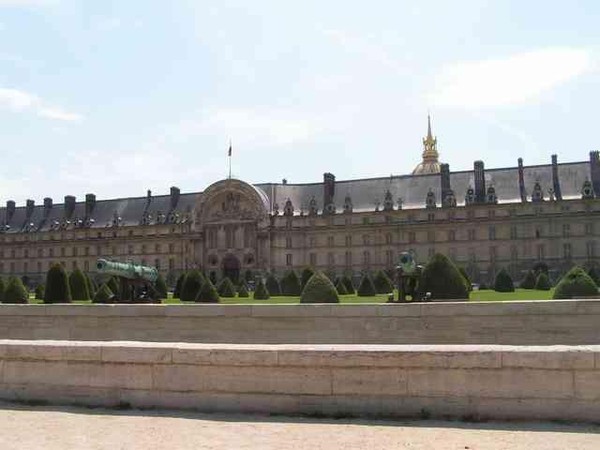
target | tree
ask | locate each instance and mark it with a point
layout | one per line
(178, 284)
(226, 288)
(383, 285)
(15, 291)
(161, 287)
(79, 286)
(103, 294)
(273, 285)
(243, 291)
(113, 285)
(319, 289)
(503, 282)
(594, 275)
(543, 282)
(261, 292)
(90, 284)
(305, 276)
(208, 293)
(465, 275)
(575, 283)
(39, 292)
(529, 280)
(290, 284)
(2, 289)
(366, 288)
(191, 286)
(340, 287)
(348, 284)
(442, 279)
(58, 289)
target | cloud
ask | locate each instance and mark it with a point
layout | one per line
(513, 80)
(22, 101)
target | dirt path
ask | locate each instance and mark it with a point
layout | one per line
(47, 428)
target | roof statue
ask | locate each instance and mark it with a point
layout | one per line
(430, 163)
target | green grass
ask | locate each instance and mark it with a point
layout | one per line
(490, 295)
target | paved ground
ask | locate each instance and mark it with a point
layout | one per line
(23, 427)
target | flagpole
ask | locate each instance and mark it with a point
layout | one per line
(229, 156)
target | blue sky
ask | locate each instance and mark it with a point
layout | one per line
(116, 97)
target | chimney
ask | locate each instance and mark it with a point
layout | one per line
(445, 181)
(10, 210)
(30, 204)
(328, 188)
(522, 191)
(90, 204)
(174, 196)
(148, 196)
(555, 180)
(69, 205)
(595, 170)
(479, 182)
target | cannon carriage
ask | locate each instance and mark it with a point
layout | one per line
(136, 282)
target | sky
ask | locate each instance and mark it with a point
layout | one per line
(117, 97)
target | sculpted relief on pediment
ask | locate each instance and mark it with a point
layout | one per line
(229, 205)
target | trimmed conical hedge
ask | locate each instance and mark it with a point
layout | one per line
(113, 285)
(290, 284)
(575, 283)
(260, 291)
(383, 285)
(503, 282)
(58, 289)
(442, 279)
(273, 285)
(594, 275)
(103, 294)
(305, 276)
(340, 287)
(191, 286)
(178, 284)
(208, 293)
(92, 288)
(319, 289)
(161, 287)
(226, 288)
(366, 288)
(466, 277)
(348, 284)
(79, 286)
(15, 291)
(39, 292)
(2, 289)
(529, 280)
(243, 291)
(543, 282)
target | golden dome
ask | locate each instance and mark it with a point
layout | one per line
(430, 163)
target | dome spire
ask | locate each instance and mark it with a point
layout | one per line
(430, 163)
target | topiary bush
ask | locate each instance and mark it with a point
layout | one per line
(290, 284)
(191, 286)
(103, 294)
(178, 284)
(465, 275)
(503, 282)
(161, 287)
(39, 292)
(2, 289)
(243, 291)
(543, 282)
(348, 284)
(208, 293)
(340, 287)
(319, 289)
(260, 291)
(273, 285)
(366, 288)
(114, 286)
(442, 279)
(305, 276)
(91, 284)
(58, 289)
(383, 285)
(79, 286)
(529, 280)
(594, 275)
(15, 291)
(226, 288)
(575, 283)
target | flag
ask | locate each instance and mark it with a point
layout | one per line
(229, 152)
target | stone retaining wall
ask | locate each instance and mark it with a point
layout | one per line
(469, 382)
(571, 322)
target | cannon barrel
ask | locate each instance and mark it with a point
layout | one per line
(127, 270)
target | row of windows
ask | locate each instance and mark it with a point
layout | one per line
(40, 266)
(87, 251)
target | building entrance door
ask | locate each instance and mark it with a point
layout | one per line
(231, 268)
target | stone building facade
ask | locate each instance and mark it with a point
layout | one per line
(484, 219)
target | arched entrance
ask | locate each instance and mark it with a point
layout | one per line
(231, 268)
